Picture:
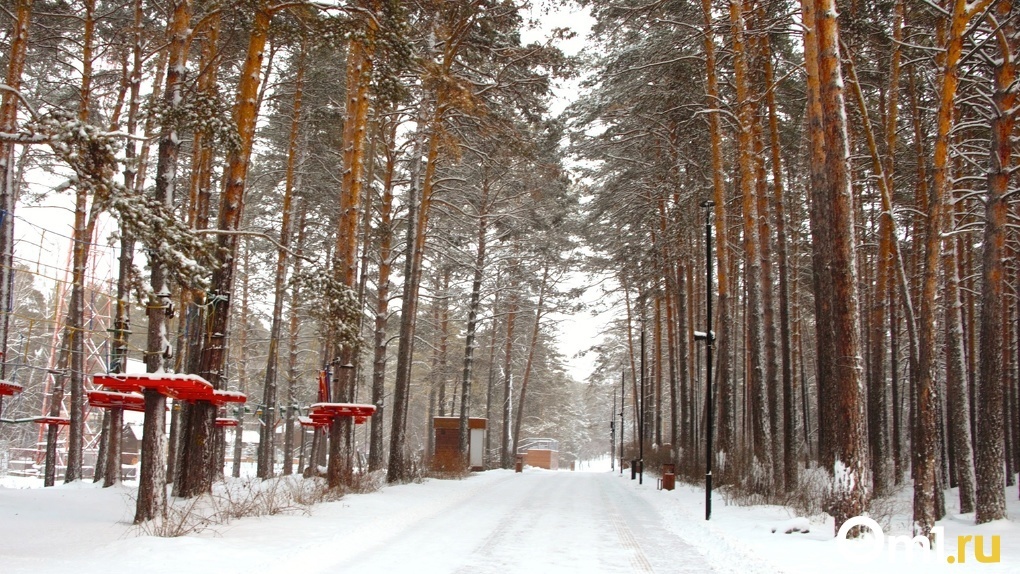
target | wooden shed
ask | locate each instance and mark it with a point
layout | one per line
(540, 452)
(542, 458)
(447, 431)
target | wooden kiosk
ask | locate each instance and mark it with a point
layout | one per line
(445, 455)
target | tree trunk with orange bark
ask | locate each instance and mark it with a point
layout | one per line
(18, 48)
(197, 439)
(925, 443)
(761, 437)
(360, 60)
(724, 404)
(845, 449)
(991, 501)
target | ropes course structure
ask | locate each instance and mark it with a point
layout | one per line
(41, 283)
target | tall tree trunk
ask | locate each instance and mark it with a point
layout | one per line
(724, 407)
(197, 439)
(820, 260)
(267, 432)
(263, 411)
(991, 501)
(79, 259)
(292, 337)
(18, 48)
(676, 339)
(190, 334)
(848, 448)
(761, 84)
(473, 306)
(506, 452)
(791, 442)
(397, 469)
(762, 469)
(958, 399)
(443, 325)
(152, 475)
(376, 448)
(528, 365)
(655, 433)
(490, 387)
(888, 258)
(925, 443)
(122, 313)
(676, 331)
(360, 54)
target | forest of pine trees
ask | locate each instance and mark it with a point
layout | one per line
(377, 193)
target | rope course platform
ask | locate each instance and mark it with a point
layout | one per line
(8, 388)
(188, 388)
(50, 420)
(321, 414)
(113, 399)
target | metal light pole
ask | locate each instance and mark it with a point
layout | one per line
(623, 399)
(642, 403)
(709, 344)
(612, 436)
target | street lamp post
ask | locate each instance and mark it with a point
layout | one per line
(709, 344)
(623, 400)
(642, 403)
(612, 436)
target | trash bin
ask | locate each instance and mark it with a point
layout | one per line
(668, 476)
(519, 465)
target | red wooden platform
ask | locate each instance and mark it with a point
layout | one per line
(223, 422)
(177, 386)
(52, 420)
(8, 388)
(314, 423)
(323, 413)
(113, 399)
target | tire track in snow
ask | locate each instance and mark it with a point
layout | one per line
(372, 537)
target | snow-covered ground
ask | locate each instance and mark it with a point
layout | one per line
(496, 521)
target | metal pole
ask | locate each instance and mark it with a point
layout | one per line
(709, 344)
(612, 436)
(623, 399)
(641, 404)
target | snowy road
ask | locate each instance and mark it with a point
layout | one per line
(497, 521)
(535, 522)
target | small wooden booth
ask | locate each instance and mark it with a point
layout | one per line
(540, 453)
(445, 455)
